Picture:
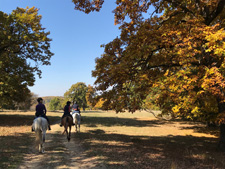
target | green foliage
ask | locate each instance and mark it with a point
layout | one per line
(24, 45)
(77, 92)
(23, 104)
(149, 102)
(55, 104)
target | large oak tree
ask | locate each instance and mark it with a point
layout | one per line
(77, 93)
(177, 51)
(24, 46)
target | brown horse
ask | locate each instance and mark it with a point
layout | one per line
(67, 122)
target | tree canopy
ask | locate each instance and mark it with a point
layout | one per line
(24, 46)
(91, 96)
(55, 104)
(178, 51)
(77, 92)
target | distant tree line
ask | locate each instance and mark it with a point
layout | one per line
(84, 95)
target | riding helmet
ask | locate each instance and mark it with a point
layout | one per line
(39, 99)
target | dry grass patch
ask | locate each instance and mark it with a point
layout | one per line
(139, 140)
(16, 137)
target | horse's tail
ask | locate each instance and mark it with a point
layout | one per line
(40, 126)
(67, 123)
(38, 136)
(38, 130)
(77, 118)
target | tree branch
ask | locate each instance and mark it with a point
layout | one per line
(215, 13)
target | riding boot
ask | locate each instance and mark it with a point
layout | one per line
(49, 128)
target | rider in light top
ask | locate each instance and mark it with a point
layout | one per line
(41, 111)
(76, 108)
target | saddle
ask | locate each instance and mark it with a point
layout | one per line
(76, 111)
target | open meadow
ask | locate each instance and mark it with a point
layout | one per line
(122, 140)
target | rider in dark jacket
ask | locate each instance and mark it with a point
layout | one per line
(66, 111)
(41, 111)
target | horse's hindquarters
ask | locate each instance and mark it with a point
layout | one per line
(40, 123)
(67, 122)
(40, 126)
(77, 120)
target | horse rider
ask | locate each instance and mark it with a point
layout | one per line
(76, 108)
(66, 111)
(41, 111)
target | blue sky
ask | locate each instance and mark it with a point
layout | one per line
(76, 39)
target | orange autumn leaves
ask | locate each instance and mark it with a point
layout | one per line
(176, 52)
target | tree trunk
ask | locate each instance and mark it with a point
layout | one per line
(221, 107)
(222, 137)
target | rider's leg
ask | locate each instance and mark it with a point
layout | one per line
(48, 122)
(72, 118)
(61, 120)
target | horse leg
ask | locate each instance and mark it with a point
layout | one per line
(43, 141)
(76, 126)
(66, 132)
(63, 132)
(69, 134)
(40, 147)
(43, 136)
(39, 139)
(76, 122)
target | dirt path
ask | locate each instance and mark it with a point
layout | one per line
(59, 153)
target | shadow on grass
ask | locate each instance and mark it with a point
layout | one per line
(115, 121)
(22, 120)
(116, 151)
(207, 130)
(13, 148)
(56, 154)
(129, 122)
(123, 151)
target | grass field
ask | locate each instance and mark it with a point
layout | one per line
(139, 140)
(16, 136)
(121, 140)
